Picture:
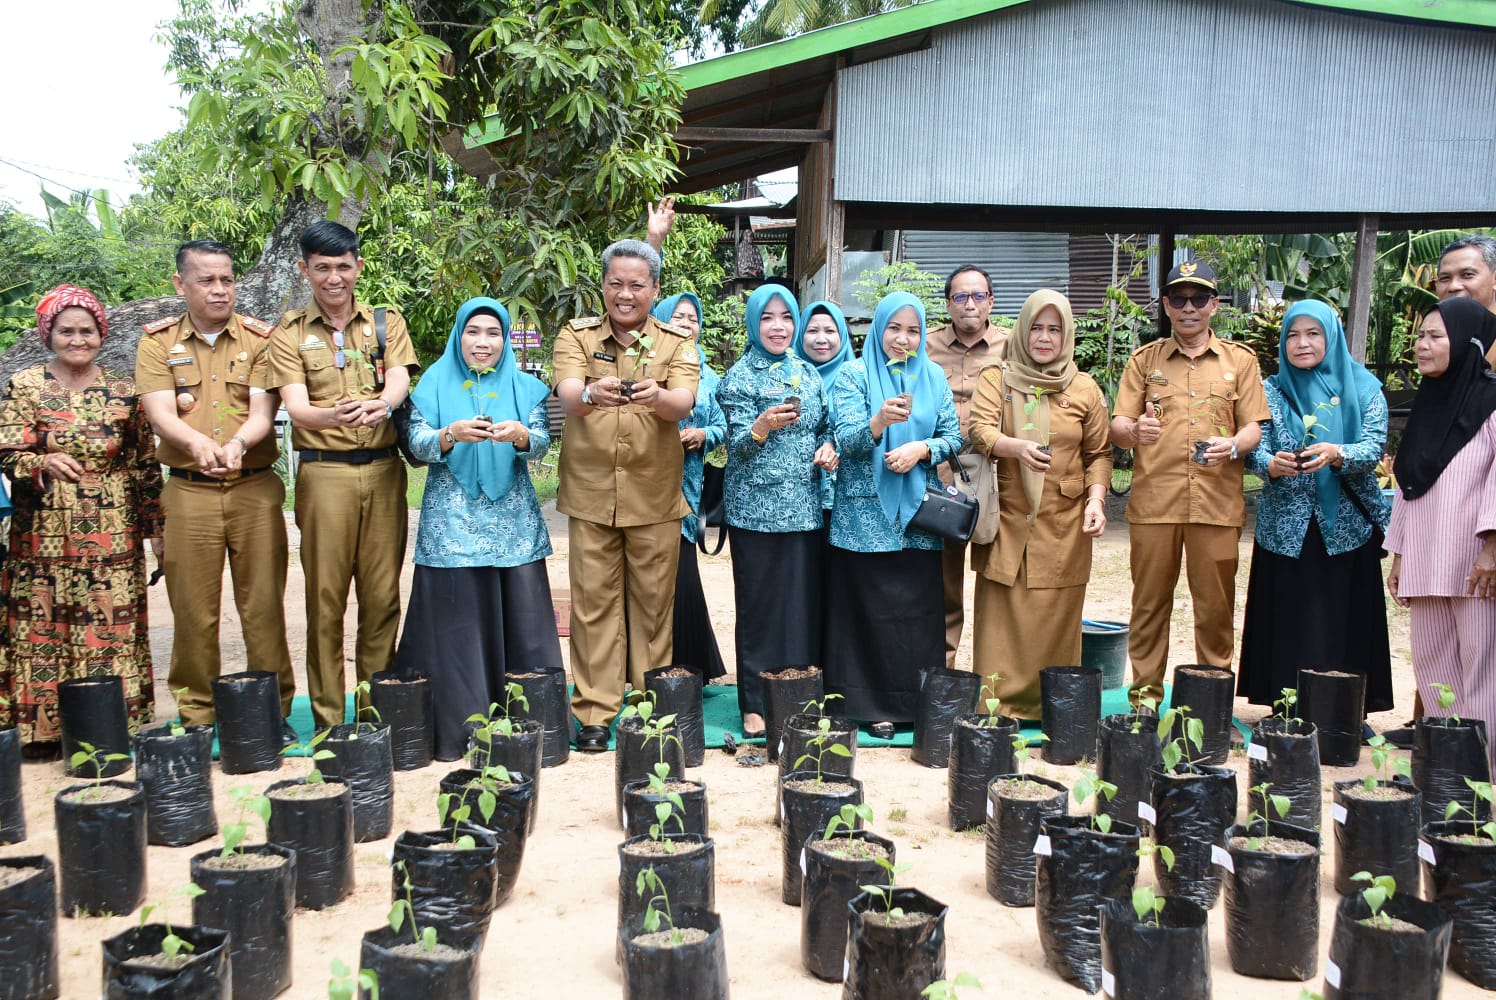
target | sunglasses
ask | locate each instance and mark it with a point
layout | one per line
(961, 298)
(1199, 300)
(339, 359)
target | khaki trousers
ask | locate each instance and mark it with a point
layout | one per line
(353, 527)
(1210, 552)
(622, 610)
(203, 521)
(953, 576)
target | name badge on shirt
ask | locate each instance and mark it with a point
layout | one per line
(314, 345)
(173, 362)
(774, 390)
(1157, 378)
(601, 356)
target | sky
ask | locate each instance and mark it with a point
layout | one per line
(84, 82)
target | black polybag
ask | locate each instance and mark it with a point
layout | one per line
(1291, 767)
(804, 813)
(403, 973)
(634, 759)
(1210, 693)
(794, 742)
(1012, 827)
(1462, 880)
(204, 976)
(1272, 906)
(101, 851)
(92, 710)
(28, 931)
(1148, 962)
(787, 696)
(362, 759)
(523, 750)
(689, 875)
(508, 825)
(979, 753)
(1078, 869)
(1369, 963)
(681, 697)
(894, 963)
(255, 907)
(1375, 835)
(1333, 701)
(829, 884)
(176, 773)
(1444, 755)
(12, 808)
(450, 889)
(320, 833)
(698, 970)
(545, 691)
(944, 695)
(639, 809)
(248, 709)
(1127, 759)
(1192, 809)
(1070, 701)
(404, 704)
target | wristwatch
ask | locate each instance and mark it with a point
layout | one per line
(389, 412)
(242, 445)
(587, 396)
(1233, 449)
(447, 435)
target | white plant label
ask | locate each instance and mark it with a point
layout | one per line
(846, 968)
(1146, 813)
(1426, 851)
(1220, 856)
(1108, 982)
(802, 862)
(990, 810)
(1332, 973)
(623, 818)
(780, 751)
(781, 810)
(1338, 813)
(1257, 751)
(1041, 845)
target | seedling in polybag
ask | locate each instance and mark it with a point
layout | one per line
(424, 937)
(171, 944)
(363, 710)
(1380, 889)
(1483, 793)
(1088, 784)
(1379, 757)
(459, 815)
(309, 750)
(1446, 698)
(945, 989)
(1191, 731)
(1146, 703)
(1270, 803)
(656, 729)
(817, 706)
(1285, 705)
(885, 891)
(670, 807)
(344, 985)
(91, 754)
(820, 745)
(178, 726)
(498, 721)
(1022, 747)
(991, 702)
(1146, 903)
(486, 783)
(648, 881)
(847, 819)
(249, 801)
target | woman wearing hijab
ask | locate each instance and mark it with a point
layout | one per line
(1045, 423)
(701, 432)
(778, 440)
(480, 603)
(81, 459)
(821, 338)
(1314, 598)
(895, 422)
(1443, 530)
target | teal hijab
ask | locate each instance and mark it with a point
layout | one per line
(754, 314)
(485, 467)
(828, 370)
(1339, 382)
(664, 310)
(900, 492)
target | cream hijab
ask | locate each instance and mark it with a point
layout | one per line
(1030, 382)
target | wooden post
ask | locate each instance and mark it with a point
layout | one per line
(836, 210)
(1358, 313)
(1165, 263)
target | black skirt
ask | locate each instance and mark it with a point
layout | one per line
(466, 629)
(695, 643)
(1319, 611)
(885, 624)
(776, 579)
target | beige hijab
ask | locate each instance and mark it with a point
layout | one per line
(1029, 381)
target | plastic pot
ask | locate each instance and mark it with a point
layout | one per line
(362, 759)
(1272, 905)
(1333, 701)
(451, 889)
(635, 759)
(1103, 645)
(101, 850)
(830, 882)
(247, 708)
(1369, 963)
(804, 813)
(893, 962)
(1210, 693)
(1079, 869)
(696, 969)
(176, 773)
(1192, 810)
(1286, 755)
(404, 704)
(523, 751)
(1070, 702)
(546, 693)
(508, 825)
(254, 905)
(794, 743)
(1444, 755)
(639, 808)
(1461, 878)
(449, 972)
(203, 976)
(689, 874)
(979, 753)
(1144, 961)
(681, 697)
(28, 931)
(92, 710)
(1375, 835)
(785, 696)
(12, 808)
(944, 696)
(320, 833)
(1012, 828)
(1127, 759)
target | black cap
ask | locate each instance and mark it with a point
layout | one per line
(1192, 272)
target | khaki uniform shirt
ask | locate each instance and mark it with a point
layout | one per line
(302, 352)
(963, 366)
(1213, 395)
(622, 465)
(218, 377)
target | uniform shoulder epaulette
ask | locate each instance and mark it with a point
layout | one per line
(586, 322)
(256, 325)
(671, 329)
(1151, 345)
(161, 324)
(290, 316)
(1238, 345)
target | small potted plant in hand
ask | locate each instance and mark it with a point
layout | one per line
(1029, 409)
(1311, 421)
(640, 353)
(899, 365)
(1213, 421)
(790, 383)
(474, 388)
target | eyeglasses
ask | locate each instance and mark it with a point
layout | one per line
(339, 359)
(1199, 300)
(961, 298)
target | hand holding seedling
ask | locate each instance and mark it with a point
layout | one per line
(349, 413)
(1217, 450)
(510, 432)
(895, 410)
(776, 418)
(1324, 455)
(1031, 454)
(471, 431)
(646, 392)
(1149, 427)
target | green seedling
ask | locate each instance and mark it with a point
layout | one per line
(847, 819)
(475, 390)
(669, 807)
(945, 989)
(991, 702)
(796, 369)
(640, 352)
(249, 802)
(458, 814)
(657, 907)
(178, 726)
(364, 368)
(1022, 747)
(818, 706)
(1030, 408)
(1283, 708)
(1212, 415)
(1270, 804)
(657, 729)
(309, 750)
(344, 985)
(1483, 793)
(364, 712)
(819, 746)
(1088, 784)
(885, 891)
(424, 937)
(90, 754)
(171, 944)
(1380, 754)
(1312, 421)
(1446, 698)
(1146, 703)
(1191, 731)
(899, 365)
(1146, 903)
(486, 783)
(1380, 888)
(497, 721)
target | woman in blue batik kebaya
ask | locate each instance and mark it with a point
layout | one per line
(778, 440)
(822, 339)
(480, 604)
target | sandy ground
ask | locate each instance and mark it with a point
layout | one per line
(556, 935)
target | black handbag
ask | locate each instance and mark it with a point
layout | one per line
(946, 511)
(401, 416)
(713, 508)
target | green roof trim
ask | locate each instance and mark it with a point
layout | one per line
(1460, 13)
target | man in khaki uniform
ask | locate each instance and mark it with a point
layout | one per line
(620, 473)
(203, 379)
(1189, 406)
(962, 348)
(341, 391)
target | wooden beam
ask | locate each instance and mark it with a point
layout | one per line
(712, 133)
(1165, 263)
(1358, 313)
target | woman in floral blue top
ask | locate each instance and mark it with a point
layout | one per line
(895, 422)
(1314, 598)
(822, 339)
(778, 440)
(480, 604)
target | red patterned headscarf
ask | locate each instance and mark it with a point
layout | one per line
(65, 297)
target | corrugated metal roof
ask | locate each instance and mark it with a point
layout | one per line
(1019, 263)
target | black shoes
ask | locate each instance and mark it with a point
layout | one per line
(592, 739)
(881, 730)
(288, 735)
(1401, 738)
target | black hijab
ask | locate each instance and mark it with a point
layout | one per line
(1449, 409)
